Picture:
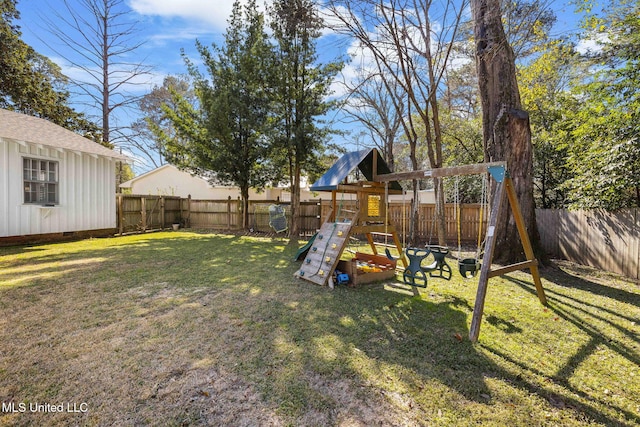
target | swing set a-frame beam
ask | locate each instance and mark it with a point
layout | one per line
(497, 170)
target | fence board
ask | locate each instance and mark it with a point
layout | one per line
(226, 215)
(606, 240)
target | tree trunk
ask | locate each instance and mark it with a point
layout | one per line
(244, 193)
(506, 130)
(294, 229)
(441, 230)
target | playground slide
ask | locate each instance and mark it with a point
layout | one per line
(302, 252)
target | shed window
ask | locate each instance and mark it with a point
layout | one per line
(40, 181)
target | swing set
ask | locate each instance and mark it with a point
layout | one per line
(415, 274)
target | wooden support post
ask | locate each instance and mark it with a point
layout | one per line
(372, 243)
(524, 237)
(503, 187)
(396, 241)
(239, 213)
(513, 267)
(490, 245)
(334, 205)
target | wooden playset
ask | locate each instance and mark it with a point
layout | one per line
(323, 256)
(370, 219)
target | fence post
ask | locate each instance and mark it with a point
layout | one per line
(187, 220)
(229, 213)
(162, 212)
(120, 214)
(239, 215)
(143, 212)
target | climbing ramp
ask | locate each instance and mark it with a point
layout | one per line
(325, 252)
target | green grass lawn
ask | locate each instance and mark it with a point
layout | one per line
(181, 328)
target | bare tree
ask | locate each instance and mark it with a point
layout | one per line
(98, 39)
(408, 51)
(151, 106)
(370, 104)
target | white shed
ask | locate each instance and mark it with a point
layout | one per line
(53, 182)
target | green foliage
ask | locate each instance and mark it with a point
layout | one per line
(151, 106)
(527, 24)
(544, 84)
(31, 83)
(462, 144)
(224, 133)
(300, 86)
(605, 153)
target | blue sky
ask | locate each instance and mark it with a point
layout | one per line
(167, 26)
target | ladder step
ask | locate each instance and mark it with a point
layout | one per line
(378, 233)
(385, 245)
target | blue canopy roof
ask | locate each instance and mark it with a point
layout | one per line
(363, 160)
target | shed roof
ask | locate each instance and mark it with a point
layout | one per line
(363, 160)
(23, 128)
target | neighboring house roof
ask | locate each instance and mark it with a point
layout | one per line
(169, 168)
(23, 128)
(363, 160)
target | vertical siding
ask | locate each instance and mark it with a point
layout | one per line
(86, 192)
(4, 188)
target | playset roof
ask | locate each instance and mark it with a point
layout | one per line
(363, 160)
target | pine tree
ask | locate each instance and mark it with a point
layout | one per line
(300, 88)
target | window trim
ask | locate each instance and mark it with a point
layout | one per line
(40, 181)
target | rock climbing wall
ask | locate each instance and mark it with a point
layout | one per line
(324, 254)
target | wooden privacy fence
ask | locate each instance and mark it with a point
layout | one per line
(143, 213)
(399, 216)
(138, 213)
(606, 240)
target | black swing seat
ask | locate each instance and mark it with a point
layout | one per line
(468, 267)
(440, 262)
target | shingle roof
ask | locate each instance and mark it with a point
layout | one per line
(21, 127)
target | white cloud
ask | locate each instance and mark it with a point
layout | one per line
(212, 12)
(592, 44)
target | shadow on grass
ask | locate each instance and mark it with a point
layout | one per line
(585, 315)
(295, 340)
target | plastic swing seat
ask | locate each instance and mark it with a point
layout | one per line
(413, 275)
(440, 263)
(468, 267)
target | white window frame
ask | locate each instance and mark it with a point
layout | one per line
(40, 181)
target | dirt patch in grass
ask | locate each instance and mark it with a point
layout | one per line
(202, 329)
